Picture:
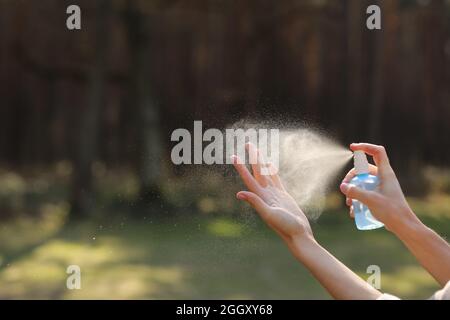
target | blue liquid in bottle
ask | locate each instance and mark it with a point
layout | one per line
(363, 217)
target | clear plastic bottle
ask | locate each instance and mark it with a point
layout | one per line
(363, 217)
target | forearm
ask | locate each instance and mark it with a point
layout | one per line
(334, 276)
(432, 252)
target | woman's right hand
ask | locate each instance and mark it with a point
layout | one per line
(387, 202)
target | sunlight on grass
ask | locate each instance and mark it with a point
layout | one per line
(225, 228)
(223, 259)
(31, 280)
(219, 249)
(207, 205)
(105, 273)
(434, 205)
(24, 231)
(130, 281)
(112, 184)
(11, 184)
(409, 282)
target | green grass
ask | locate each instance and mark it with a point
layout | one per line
(193, 257)
(213, 248)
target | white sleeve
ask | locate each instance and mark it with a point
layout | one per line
(387, 296)
(443, 294)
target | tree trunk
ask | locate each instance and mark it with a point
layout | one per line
(355, 81)
(148, 116)
(82, 193)
(377, 82)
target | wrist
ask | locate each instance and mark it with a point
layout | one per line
(303, 245)
(406, 223)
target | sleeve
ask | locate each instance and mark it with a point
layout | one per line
(387, 296)
(443, 294)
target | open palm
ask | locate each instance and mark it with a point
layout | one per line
(269, 198)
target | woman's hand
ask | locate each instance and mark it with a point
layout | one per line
(280, 211)
(387, 203)
(269, 198)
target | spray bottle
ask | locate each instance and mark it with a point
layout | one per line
(363, 217)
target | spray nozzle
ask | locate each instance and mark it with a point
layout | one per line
(361, 163)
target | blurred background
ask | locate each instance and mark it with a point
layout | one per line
(86, 118)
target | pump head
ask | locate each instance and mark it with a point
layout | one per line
(360, 162)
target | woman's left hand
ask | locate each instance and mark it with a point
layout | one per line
(270, 199)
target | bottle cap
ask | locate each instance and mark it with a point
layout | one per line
(361, 163)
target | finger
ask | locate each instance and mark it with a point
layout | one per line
(274, 176)
(246, 176)
(352, 212)
(256, 162)
(349, 176)
(256, 202)
(373, 170)
(378, 153)
(348, 202)
(367, 197)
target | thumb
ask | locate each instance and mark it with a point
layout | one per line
(353, 192)
(255, 201)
